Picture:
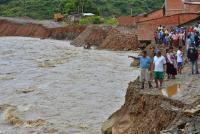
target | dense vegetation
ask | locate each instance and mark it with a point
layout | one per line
(44, 9)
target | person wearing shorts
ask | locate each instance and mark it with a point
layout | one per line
(145, 65)
(159, 63)
(180, 59)
(159, 75)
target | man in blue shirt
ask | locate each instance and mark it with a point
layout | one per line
(145, 66)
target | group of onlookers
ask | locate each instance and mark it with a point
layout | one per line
(157, 63)
(177, 36)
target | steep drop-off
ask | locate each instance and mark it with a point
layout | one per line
(151, 112)
(106, 37)
(27, 28)
(102, 37)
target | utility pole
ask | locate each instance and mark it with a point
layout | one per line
(24, 4)
(132, 6)
(82, 6)
(131, 11)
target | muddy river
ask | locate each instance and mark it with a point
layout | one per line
(73, 90)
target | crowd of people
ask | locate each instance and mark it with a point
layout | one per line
(178, 42)
(177, 36)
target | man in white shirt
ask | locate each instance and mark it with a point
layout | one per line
(159, 69)
(179, 55)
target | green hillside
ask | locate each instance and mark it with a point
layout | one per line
(44, 9)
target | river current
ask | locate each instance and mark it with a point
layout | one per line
(72, 89)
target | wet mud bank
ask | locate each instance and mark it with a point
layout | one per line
(45, 29)
(151, 112)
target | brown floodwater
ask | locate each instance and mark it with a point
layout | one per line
(72, 89)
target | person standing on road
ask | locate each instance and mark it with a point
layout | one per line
(159, 64)
(170, 64)
(145, 67)
(179, 55)
(192, 55)
(188, 43)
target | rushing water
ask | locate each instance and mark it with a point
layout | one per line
(73, 89)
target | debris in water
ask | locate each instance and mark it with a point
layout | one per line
(10, 118)
(35, 123)
(46, 64)
(26, 90)
(50, 130)
(84, 127)
(6, 77)
(17, 122)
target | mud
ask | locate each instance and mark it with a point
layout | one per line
(111, 38)
(172, 110)
(120, 40)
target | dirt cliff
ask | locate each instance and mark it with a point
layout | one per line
(153, 112)
(105, 37)
(29, 28)
(102, 37)
(120, 40)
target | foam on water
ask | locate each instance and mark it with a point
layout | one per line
(74, 89)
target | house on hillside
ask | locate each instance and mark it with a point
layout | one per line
(172, 13)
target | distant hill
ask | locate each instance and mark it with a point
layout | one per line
(44, 9)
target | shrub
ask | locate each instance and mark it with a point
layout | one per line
(111, 21)
(90, 20)
(84, 21)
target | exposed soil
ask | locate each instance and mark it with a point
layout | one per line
(97, 36)
(153, 112)
(102, 37)
(111, 38)
(30, 28)
(119, 40)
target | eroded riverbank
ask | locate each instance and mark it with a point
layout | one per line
(173, 110)
(73, 90)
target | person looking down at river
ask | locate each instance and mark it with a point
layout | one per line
(159, 64)
(145, 67)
